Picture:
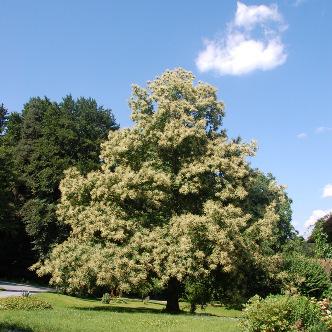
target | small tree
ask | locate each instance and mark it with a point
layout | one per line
(168, 201)
(198, 292)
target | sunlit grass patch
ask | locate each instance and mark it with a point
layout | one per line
(77, 314)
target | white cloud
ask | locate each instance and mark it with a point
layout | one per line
(240, 52)
(301, 135)
(327, 191)
(316, 215)
(322, 130)
(249, 16)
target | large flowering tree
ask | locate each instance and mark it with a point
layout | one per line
(168, 202)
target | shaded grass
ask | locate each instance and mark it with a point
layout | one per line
(75, 314)
(10, 327)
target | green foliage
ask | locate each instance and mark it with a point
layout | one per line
(262, 190)
(283, 313)
(43, 141)
(307, 277)
(323, 224)
(24, 303)
(42, 225)
(322, 247)
(14, 243)
(198, 292)
(152, 287)
(56, 136)
(3, 118)
(298, 246)
(234, 288)
(106, 298)
(7, 182)
(7, 198)
(26, 293)
(326, 310)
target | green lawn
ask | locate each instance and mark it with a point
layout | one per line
(74, 314)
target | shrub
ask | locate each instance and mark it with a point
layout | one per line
(319, 236)
(23, 303)
(197, 293)
(325, 307)
(326, 264)
(106, 298)
(308, 277)
(281, 313)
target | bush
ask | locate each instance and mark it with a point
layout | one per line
(281, 313)
(307, 277)
(106, 299)
(235, 288)
(326, 264)
(325, 307)
(23, 303)
(197, 293)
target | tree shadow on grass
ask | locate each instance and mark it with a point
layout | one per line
(12, 327)
(122, 309)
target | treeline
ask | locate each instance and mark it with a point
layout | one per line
(36, 146)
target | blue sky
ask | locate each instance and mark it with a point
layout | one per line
(270, 60)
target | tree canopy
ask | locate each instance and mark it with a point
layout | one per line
(323, 224)
(169, 201)
(15, 250)
(37, 145)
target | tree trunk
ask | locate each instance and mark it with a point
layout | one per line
(172, 305)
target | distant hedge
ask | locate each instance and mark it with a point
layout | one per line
(23, 303)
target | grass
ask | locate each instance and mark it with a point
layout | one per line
(75, 314)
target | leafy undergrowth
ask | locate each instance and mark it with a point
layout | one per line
(75, 314)
(284, 313)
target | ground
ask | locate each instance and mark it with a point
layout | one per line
(73, 314)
